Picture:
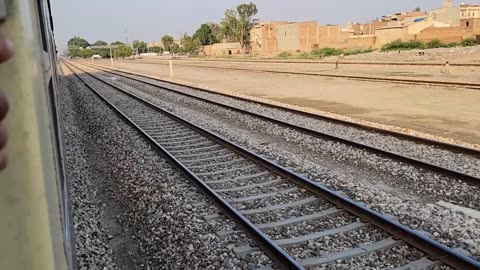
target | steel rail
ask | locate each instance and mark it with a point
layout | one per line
(276, 253)
(474, 86)
(408, 160)
(380, 63)
(435, 250)
(449, 146)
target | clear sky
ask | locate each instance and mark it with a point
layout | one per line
(149, 20)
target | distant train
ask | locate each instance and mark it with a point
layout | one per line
(35, 216)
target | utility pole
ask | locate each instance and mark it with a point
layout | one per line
(126, 43)
(111, 56)
(170, 64)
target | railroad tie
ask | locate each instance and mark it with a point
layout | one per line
(226, 171)
(351, 253)
(272, 182)
(264, 195)
(422, 264)
(243, 251)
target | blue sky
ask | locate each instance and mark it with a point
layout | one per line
(149, 20)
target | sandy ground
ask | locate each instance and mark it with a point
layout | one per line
(432, 73)
(456, 55)
(465, 55)
(441, 111)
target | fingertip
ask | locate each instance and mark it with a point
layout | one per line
(3, 160)
(7, 49)
(4, 106)
(8, 46)
(3, 136)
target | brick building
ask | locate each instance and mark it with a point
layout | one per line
(448, 23)
(220, 49)
(447, 13)
(469, 11)
(466, 25)
(263, 37)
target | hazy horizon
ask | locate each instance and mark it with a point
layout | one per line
(107, 20)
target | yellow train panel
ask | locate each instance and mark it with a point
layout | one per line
(31, 233)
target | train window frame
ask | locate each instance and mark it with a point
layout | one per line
(41, 17)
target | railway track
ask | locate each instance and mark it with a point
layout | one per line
(357, 142)
(467, 85)
(371, 63)
(436, 143)
(283, 212)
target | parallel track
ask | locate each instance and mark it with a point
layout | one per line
(386, 153)
(312, 62)
(449, 146)
(246, 187)
(468, 85)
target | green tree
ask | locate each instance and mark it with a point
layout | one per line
(100, 43)
(78, 42)
(75, 45)
(190, 45)
(86, 53)
(245, 13)
(216, 31)
(123, 51)
(140, 46)
(104, 52)
(156, 49)
(74, 52)
(237, 22)
(417, 9)
(175, 48)
(117, 43)
(230, 25)
(205, 35)
(167, 42)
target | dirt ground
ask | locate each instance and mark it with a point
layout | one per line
(447, 112)
(433, 73)
(466, 55)
(455, 55)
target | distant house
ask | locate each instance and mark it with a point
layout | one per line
(219, 49)
(448, 23)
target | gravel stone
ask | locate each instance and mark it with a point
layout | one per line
(395, 257)
(387, 186)
(156, 208)
(274, 200)
(250, 132)
(456, 161)
(91, 237)
(312, 226)
(257, 191)
(337, 243)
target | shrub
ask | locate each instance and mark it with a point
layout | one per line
(353, 52)
(435, 43)
(452, 44)
(285, 55)
(400, 45)
(414, 44)
(306, 56)
(394, 45)
(357, 51)
(326, 52)
(469, 42)
(195, 53)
